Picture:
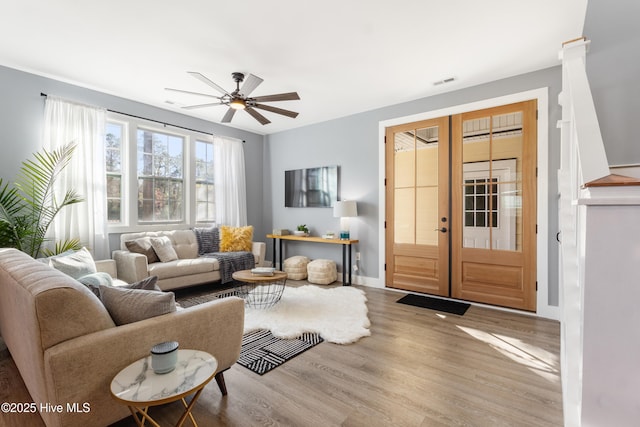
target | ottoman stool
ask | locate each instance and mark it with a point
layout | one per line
(322, 271)
(296, 267)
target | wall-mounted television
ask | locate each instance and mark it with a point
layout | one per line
(311, 187)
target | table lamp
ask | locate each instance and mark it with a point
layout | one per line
(344, 210)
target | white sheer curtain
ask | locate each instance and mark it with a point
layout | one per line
(65, 122)
(230, 183)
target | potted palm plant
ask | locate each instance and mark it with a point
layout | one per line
(29, 205)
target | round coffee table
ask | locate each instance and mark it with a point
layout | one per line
(138, 387)
(260, 291)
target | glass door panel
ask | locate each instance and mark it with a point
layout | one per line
(492, 171)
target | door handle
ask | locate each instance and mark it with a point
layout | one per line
(442, 230)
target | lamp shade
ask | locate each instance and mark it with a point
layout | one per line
(345, 208)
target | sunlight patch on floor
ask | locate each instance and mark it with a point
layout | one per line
(539, 361)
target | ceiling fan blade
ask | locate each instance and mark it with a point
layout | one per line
(290, 96)
(191, 93)
(208, 82)
(259, 117)
(193, 107)
(277, 110)
(229, 115)
(250, 83)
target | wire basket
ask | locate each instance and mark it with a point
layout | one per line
(264, 295)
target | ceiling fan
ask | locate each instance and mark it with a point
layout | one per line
(239, 99)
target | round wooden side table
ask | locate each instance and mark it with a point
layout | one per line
(260, 291)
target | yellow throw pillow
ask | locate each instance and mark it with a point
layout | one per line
(236, 239)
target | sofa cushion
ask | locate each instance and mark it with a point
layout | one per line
(236, 239)
(184, 267)
(75, 264)
(208, 240)
(164, 248)
(132, 305)
(143, 246)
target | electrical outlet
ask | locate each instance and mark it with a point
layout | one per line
(357, 256)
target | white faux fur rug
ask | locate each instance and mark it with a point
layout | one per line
(338, 314)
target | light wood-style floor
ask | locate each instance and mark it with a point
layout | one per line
(418, 368)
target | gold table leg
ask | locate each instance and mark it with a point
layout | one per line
(187, 411)
(144, 416)
(141, 415)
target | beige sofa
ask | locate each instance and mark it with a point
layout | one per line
(188, 270)
(68, 349)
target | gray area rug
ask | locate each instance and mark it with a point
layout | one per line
(190, 299)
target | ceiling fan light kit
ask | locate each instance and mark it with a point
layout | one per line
(238, 104)
(239, 99)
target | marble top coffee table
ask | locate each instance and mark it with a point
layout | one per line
(138, 387)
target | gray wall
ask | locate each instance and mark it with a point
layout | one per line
(613, 68)
(352, 142)
(22, 115)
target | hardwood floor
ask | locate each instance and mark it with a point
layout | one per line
(418, 368)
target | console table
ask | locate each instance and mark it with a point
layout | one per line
(345, 266)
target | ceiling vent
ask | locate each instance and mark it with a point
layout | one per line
(443, 81)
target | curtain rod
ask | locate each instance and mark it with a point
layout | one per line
(158, 121)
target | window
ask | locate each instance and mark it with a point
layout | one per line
(113, 157)
(481, 203)
(157, 175)
(160, 176)
(205, 202)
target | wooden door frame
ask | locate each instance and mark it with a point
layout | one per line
(544, 309)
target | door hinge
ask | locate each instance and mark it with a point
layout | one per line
(536, 286)
(536, 114)
(385, 182)
(536, 228)
(385, 266)
(385, 224)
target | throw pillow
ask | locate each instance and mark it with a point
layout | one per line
(236, 239)
(132, 305)
(77, 264)
(208, 240)
(164, 248)
(147, 284)
(142, 246)
(93, 281)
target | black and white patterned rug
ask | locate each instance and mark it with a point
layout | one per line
(261, 351)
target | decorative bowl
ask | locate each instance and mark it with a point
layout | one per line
(300, 233)
(164, 357)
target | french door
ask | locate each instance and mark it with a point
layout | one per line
(417, 241)
(461, 203)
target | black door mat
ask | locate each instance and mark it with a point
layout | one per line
(436, 304)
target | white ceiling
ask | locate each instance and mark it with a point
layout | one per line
(341, 56)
